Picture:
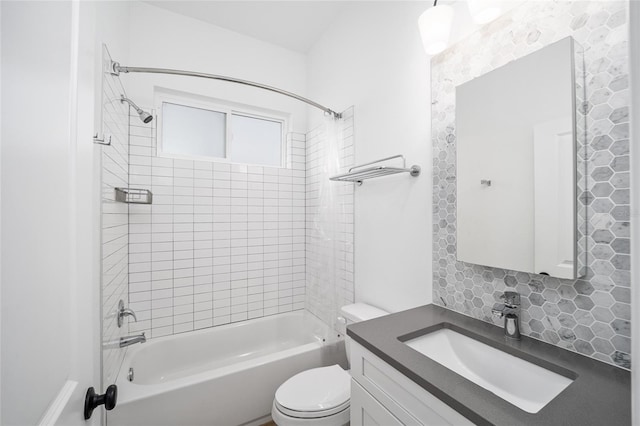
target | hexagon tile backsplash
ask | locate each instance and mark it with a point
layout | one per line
(590, 315)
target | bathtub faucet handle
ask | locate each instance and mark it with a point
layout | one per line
(129, 313)
(124, 312)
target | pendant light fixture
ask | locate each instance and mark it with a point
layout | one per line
(484, 11)
(435, 27)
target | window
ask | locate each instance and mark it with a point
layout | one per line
(256, 140)
(194, 127)
(193, 131)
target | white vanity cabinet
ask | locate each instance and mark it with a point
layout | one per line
(381, 395)
(366, 410)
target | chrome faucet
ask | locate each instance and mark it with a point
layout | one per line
(124, 312)
(132, 340)
(510, 311)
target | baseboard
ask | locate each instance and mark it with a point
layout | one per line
(54, 410)
(259, 422)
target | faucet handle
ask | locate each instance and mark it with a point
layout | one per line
(511, 298)
(129, 313)
(498, 310)
(124, 312)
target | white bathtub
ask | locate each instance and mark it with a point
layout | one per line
(222, 376)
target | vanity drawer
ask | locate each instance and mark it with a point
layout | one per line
(367, 411)
(407, 401)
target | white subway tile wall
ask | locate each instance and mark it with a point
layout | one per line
(221, 242)
(115, 222)
(324, 300)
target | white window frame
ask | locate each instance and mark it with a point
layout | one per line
(218, 105)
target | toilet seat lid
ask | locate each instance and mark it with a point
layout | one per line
(315, 390)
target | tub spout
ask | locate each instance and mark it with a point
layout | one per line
(132, 340)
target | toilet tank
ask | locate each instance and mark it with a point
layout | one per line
(358, 312)
(361, 312)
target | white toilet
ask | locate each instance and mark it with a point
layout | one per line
(320, 396)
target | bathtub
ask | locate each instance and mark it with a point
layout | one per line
(222, 376)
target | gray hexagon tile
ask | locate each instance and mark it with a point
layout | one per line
(589, 315)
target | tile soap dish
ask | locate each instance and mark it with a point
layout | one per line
(134, 196)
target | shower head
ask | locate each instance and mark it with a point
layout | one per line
(145, 117)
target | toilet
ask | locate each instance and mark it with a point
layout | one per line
(320, 396)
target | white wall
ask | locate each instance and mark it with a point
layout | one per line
(35, 217)
(159, 38)
(112, 21)
(372, 58)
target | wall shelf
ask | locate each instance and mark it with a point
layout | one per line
(134, 196)
(360, 173)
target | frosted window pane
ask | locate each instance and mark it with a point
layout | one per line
(193, 131)
(256, 141)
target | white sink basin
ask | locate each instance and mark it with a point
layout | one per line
(523, 384)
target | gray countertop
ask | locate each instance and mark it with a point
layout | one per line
(600, 394)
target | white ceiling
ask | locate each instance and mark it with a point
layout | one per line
(295, 25)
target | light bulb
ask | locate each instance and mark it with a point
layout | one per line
(435, 28)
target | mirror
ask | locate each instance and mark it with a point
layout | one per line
(516, 164)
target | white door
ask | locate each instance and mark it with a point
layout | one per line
(49, 215)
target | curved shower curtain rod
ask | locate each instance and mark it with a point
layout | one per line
(116, 69)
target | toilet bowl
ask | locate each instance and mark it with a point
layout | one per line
(320, 396)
